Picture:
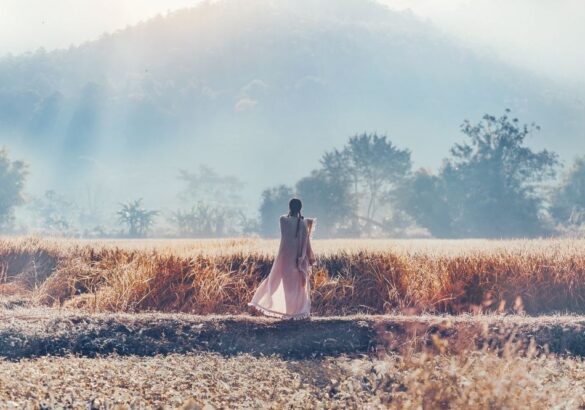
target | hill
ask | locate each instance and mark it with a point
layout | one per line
(234, 85)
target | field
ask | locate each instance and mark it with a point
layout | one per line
(371, 277)
(402, 324)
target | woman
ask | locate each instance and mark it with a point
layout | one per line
(285, 292)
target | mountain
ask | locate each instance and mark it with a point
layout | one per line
(257, 89)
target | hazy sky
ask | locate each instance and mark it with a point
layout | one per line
(544, 35)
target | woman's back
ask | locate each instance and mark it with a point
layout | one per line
(291, 239)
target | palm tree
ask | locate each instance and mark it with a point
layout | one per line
(138, 219)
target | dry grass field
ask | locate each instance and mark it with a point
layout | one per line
(351, 276)
(398, 324)
(474, 381)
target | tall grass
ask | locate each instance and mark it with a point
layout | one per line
(351, 276)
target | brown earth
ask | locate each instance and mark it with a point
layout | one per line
(31, 332)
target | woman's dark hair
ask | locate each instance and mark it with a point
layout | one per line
(294, 207)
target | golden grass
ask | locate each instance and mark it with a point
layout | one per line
(351, 276)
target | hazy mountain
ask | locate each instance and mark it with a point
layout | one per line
(258, 89)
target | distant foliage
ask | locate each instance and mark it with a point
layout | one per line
(206, 221)
(374, 168)
(215, 206)
(273, 205)
(137, 219)
(568, 200)
(352, 193)
(12, 179)
(327, 197)
(208, 186)
(491, 186)
(54, 213)
(426, 199)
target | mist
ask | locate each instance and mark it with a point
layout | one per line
(118, 105)
(544, 37)
(539, 36)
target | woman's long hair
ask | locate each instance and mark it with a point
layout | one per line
(294, 209)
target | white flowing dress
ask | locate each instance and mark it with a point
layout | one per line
(285, 293)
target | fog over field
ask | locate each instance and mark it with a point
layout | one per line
(292, 203)
(260, 89)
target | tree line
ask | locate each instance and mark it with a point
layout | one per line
(490, 185)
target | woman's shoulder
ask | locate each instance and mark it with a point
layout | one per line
(307, 221)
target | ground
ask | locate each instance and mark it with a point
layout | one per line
(60, 358)
(397, 324)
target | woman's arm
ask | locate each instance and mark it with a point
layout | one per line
(310, 253)
(311, 227)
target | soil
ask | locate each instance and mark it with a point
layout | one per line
(27, 332)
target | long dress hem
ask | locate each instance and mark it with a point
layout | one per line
(285, 293)
(272, 313)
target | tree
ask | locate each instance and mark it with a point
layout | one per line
(136, 218)
(492, 186)
(205, 221)
(273, 205)
(568, 200)
(217, 211)
(424, 199)
(327, 197)
(207, 186)
(12, 179)
(375, 168)
(54, 213)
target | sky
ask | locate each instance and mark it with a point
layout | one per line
(541, 35)
(545, 36)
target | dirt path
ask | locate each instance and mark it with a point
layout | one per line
(31, 332)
